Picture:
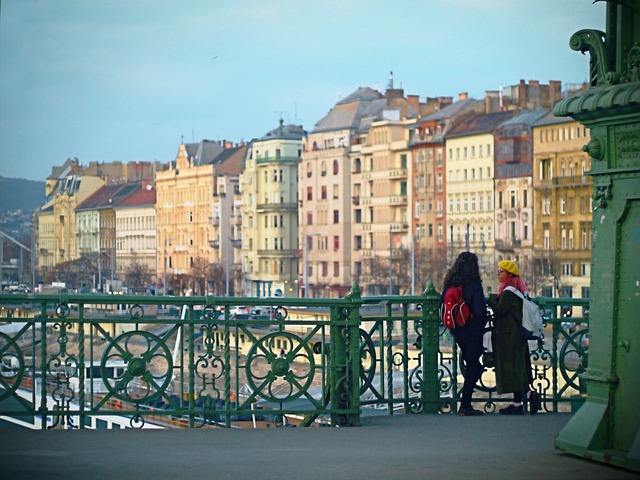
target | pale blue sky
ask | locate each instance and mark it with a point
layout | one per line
(126, 80)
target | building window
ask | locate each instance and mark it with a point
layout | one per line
(336, 243)
(335, 167)
(323, 192)
(336, 216)
(546, 239)
(309, 193)
(336, 269)
(309, 218)
(567, 269)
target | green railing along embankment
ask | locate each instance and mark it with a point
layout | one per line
(116, 361)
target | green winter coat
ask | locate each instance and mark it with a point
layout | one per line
(510, 349)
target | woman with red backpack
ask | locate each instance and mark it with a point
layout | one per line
(466, 273)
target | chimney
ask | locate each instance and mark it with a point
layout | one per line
(414, 101)
(463, 96)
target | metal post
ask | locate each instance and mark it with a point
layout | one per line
(164, 279)
(390, 261)
(306, 266)
(227, 269)
(451, 241)
(413, 264)
(466, 239)
(606, 428)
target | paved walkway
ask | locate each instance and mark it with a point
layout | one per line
(438, 447)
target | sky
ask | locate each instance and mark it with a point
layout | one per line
(129, 80)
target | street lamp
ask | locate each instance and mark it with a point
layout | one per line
(391, 257)
(231, 243)
(466, 238)
(390, 260)
(235, 243)
(306, 263)
(451, 242)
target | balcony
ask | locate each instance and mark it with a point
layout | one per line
(398, 199)
(276, 160)
(276, 207)
(278, 253)
(395, 173)
(509, 244)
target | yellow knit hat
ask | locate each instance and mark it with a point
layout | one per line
(509, 266)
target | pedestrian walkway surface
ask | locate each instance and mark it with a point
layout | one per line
(438, 447)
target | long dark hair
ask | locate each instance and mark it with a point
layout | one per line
(465, 270)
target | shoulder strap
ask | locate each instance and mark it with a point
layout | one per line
(515, 290)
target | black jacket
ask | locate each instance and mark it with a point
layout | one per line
(473, 294)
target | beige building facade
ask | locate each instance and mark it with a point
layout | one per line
(185, 214)
(563, 207)
(136, 232)
(470, 192)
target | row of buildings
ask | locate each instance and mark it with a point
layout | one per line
(386, 190)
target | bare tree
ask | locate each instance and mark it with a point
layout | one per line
(137, 276)
(199, 274)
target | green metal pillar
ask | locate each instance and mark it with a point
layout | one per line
(430, 346)
(607, 427)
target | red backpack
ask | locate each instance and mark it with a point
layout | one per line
(454, 311)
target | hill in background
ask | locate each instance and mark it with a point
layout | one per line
(20, 194)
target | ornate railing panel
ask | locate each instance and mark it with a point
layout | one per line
(72, 361)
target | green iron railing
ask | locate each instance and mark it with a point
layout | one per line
(91, 361)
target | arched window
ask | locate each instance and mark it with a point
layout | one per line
(335, 167)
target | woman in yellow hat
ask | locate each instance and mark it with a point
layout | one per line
(510, 347)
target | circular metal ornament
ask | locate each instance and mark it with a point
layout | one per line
(136, 311)
(280, 313)
(13, 366)
(280, 367)
(63, 310)
(136, 367)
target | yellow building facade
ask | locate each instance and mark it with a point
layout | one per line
(563, 207)
(184, 213)
(270, 250)
(70, 193)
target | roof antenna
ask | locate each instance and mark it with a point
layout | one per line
(391, 80)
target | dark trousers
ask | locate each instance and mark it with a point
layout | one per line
(471, 349)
